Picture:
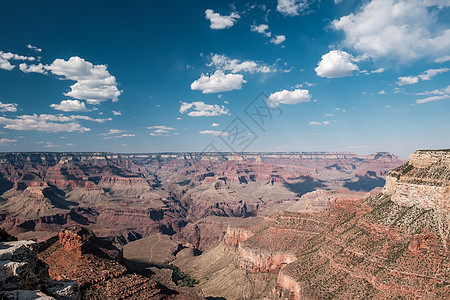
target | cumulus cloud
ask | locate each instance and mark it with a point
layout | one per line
(278, 39)
(225, 63)
(34, 48)
(407, 80)
(218, 82)
(213, 132)
(319, 123)
(161, 130)
(39, 68)
(116, 113)
(292, 7)
(201, 109)
(427, 75)
(336, 63)
(263, 29)
(70, 105)
(396, 29)
(289, 97)
(6, 57)
(6, 142)
(8, 107)
(94, 83)
(221, 22)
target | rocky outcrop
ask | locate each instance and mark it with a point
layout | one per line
(423, 181)
(24, 276)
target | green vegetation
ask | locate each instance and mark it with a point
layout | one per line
(181, 278)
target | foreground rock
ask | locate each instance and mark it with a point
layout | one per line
(97, 266)
(24, 276)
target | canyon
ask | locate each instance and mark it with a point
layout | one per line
(232, 224)
(392, 244)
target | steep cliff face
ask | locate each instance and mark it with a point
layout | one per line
(423, 181)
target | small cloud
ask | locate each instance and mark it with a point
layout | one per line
(8, 107)
(278, 39)
(221, 22)
(70, 105)
(6, 142)
(213, 132)
(383, 92)
(201, 109)
(289, 97)
(70, 145)
(116, 113)
(329, 115)
(380, 70)
(179, 118)
(292, 7)
(160, 130)
(319, 123)
(335, 64)
(34, 48)
(442, 59)
(387, 106)
(218, 82)
(215, 124)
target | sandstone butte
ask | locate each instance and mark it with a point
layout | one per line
(392, 245)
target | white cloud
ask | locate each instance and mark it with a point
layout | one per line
(442, 59)
(218, 82)
(70, 105)
(47, 123)
(292, 7)
(289, 97)
(34, 48)
(407, 80)
(221, 22)
(432, 98)
(263, 29)
(116, 113)
(112, 132)
(160, 130)
(200, 109)
(215, 124)
(383, 92)
(6, 142)
(93, 82)
(337, 1)
(380, 70)
(8, 107)
(396, 29)
(336, 63)
(319, 123)
(428, 74)
(162, 127)
(441, 94)
(225, 63)
(213, 132)
(278, 39)
(5, 58)
(40, 68)
(329, 115)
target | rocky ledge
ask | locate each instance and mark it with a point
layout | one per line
(24, 276)
(424, 181)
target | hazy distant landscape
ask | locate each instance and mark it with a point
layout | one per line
(278, 149)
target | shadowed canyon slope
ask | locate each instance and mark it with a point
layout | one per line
(387, 246)
(129, 196)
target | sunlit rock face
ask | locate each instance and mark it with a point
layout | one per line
(424, 181)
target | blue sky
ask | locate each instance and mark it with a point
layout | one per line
(175, 76)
